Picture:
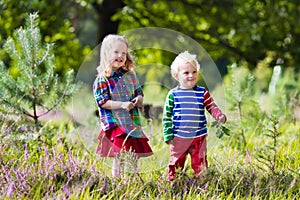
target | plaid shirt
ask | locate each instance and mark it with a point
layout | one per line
(120, 86)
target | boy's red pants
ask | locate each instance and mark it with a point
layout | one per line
(180, 148)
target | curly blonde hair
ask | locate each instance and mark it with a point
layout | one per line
(104, 69)
(181, 59)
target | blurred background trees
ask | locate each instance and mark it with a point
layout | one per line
(254, 34)
(231, 31)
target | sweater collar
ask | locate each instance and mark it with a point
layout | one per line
(194, 88)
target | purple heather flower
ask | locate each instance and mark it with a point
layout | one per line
(65, 189)
(10, 190)
(105, 186)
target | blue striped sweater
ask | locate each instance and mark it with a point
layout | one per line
(184, 113)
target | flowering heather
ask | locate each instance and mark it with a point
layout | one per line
(49, 170)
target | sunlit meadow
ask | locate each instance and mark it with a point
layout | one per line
(255, 155)
(257, 159)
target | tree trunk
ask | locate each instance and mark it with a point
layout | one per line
(105, 11)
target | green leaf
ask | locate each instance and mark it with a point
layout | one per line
(221, 129)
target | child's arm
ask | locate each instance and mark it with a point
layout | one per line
(167, 118)
(112, 105)
(212, 108)
(102, 97)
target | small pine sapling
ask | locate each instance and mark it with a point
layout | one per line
(268, 155)
(238, 93)
(36, 89)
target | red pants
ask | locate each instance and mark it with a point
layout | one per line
(180, 148)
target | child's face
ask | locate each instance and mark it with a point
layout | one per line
(118, 55)
(187, 75)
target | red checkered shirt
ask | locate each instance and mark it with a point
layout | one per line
(120, 86)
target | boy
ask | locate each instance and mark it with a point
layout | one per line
(184, 121)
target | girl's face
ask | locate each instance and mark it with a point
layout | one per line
(187, 76)
(118, 55)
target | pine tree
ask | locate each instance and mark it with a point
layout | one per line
(37, 89)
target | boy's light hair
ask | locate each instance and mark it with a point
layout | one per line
(181, 59)
(105, 68)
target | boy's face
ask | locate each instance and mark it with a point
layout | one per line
(187, 75)
(118, 55)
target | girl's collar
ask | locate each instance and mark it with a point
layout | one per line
(119, 72)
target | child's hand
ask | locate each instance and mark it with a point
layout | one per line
(128, 105)
(222, 119)
(169, 142)
(138, 101)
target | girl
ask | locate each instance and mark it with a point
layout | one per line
(118, 96)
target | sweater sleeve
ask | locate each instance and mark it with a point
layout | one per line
(167, 117)
(211, 107)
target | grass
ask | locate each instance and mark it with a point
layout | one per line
(61, 163)
(66, 171)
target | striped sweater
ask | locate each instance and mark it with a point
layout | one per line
(184, 112)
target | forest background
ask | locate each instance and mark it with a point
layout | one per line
(244, 39)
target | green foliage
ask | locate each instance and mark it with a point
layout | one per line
(263, 72)
(55, 23)
(236, 30)
(221, 129)
(36, 90)
(239, 87)
(268, 154)
(285, 101)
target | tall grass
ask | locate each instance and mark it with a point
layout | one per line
(259, 160)
(64, 171)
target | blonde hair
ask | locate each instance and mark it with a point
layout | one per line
(104, 69)
(182, 58)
